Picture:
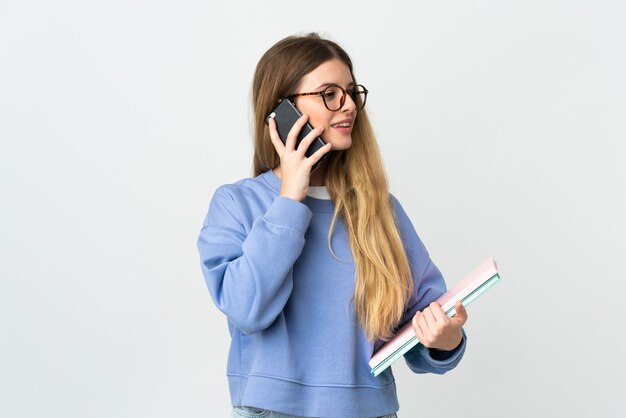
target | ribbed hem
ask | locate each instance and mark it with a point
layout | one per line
(313, 401)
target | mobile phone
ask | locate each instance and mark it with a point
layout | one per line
(286, 114)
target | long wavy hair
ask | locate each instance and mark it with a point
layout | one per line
(356, 181)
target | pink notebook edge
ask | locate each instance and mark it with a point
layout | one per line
(479, 275)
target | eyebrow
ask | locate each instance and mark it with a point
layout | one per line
(352, 83)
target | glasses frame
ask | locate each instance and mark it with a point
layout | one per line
(342, 101)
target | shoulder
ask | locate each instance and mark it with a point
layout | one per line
(243, 200)
(394, 201)
(241, 186)
(401, 215)
(410, 237)
(246, 189)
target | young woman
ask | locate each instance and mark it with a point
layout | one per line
(315, 270)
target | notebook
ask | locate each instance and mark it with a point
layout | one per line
(467, 290)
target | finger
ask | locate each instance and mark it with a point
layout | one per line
(292, 137)
(317, 155)
(439, 314)
(303, 146)
(415, 322)
(461, 313)
(422, 332)
(274, 137)
(423, 324)
(430, 319)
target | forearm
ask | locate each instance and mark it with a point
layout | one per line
(250, 277)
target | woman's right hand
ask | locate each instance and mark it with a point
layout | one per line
(295, 167)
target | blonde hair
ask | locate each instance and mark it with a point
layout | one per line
(356, 181)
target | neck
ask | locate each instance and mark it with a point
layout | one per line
(318, 177)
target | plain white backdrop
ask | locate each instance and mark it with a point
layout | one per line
(502, 127)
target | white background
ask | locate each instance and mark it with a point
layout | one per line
(502, 127)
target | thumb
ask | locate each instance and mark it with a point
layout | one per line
(461, 313)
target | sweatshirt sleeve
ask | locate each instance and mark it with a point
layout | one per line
(428, 286)
(249, 275)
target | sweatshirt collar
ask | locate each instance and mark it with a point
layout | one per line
(316, 205)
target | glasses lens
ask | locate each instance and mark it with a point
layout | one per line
(332, 97)
(358, 94)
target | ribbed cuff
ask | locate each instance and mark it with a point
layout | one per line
(289, 213)
(450, 356)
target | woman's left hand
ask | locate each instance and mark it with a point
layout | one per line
(434, 329)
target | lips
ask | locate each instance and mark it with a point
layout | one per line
(346, 123)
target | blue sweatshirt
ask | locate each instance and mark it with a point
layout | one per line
(297, 346)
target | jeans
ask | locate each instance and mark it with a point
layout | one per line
(249, 412)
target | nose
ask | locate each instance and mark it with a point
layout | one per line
(348, 104)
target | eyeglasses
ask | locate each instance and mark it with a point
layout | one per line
(334, 96)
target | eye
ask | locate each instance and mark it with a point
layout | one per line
(331, 92)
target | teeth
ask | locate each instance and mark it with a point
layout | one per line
(342, 125)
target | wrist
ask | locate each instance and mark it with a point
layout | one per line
(298, 197)
(441, 354)
(451, 345)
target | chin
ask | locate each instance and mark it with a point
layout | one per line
(340, 144)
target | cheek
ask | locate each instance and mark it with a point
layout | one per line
(317, 117)
(320, 122)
